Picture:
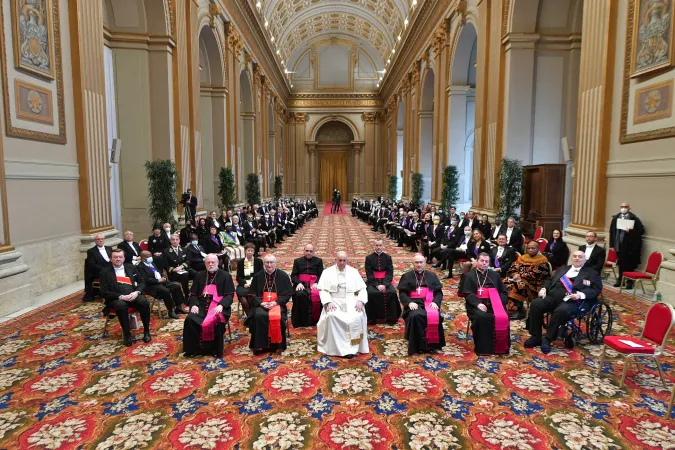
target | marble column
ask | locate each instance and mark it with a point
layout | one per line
(518, 107)
(311, 151)
(86, 37)
(356, 147)
(440, 54)
(302, 183)
(457, 121)
(594, 120)
(368, 188)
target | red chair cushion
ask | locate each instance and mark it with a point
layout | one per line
(637, 275)
(613, 342)
(111, 311)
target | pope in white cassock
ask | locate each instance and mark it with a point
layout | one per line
(342, 327)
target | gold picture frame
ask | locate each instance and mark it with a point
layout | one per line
(651, 53)
(34, 44)
(33, 103)
(11, 129)
(653, 102)
(625, 137)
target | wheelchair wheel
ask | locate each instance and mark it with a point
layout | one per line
(599, 323)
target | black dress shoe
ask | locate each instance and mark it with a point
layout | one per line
(189, 355)
(350, 356)
(257, 351)
(532, 342)
(617, 284)
(180, 310)
(128, 340)
(173, 315)
(518, 315)
(88, 298)
(146, 337)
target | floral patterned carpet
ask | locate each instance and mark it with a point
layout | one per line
(65, 386)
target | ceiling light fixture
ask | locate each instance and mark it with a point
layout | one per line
(389, 60)
(405, 22)
(258, 5)
(278, 51)
(266, 23)
(378, 84)
(291, 85)
(272, 38)
(414, 2)
(399, 38)
(393, 50)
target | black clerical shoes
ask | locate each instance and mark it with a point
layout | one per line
(173, 315)
(146, 337)
(180, 310)
(128, 340)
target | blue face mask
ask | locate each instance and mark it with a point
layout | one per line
(149, 260)
(195, 242)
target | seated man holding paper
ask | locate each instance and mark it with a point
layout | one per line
(485, 297)
(421, 295)
(561, 296)
(306, 300)
(342, 328)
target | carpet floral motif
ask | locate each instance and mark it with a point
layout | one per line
(63, 385)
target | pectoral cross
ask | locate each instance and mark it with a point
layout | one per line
(269, 296)
(480, 291)
(419, 290)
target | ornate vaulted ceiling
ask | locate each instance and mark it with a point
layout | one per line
(373, 25)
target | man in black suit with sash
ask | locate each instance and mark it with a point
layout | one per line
(561, 296)
(132, 251)
(122, 288)
(97, 258)
(502, 256)
(595, 255)
(157, 285)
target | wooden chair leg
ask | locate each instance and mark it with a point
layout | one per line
(642, 286)
(602, 359)
(635, 287)
(622, 285)
(625, 369)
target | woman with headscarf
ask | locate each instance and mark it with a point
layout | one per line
(231, 242)
(525, 277)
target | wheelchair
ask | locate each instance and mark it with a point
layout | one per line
(592, 320)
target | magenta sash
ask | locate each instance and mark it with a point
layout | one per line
(313, 294)
(211, 319)
(501, 332)
(433, 315)
(379, 274)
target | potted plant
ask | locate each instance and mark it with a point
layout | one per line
(253, 196)
(510, 188)
(450, 194)
(227, 190)
(162, 181)
(393, 183)
(417, 188)
(278, 187)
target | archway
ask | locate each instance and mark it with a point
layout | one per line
(461, 112)
(400, 128)
(139, 102)
(213, 104)
(426, 121)
(246, 132)
(336, 160)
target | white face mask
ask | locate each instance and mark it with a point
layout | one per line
(467, 233)
(624, 210)
(168, 230)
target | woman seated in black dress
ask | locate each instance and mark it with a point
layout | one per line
(556, 250)
(213, 244)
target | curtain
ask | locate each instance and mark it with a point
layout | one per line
(332, 174)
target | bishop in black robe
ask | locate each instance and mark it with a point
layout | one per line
(382, 306)
(411, 284)
(193, 342)
(267, 284)
(471, 287)
(306, 305)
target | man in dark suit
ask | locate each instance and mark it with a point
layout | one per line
(434, 236)
(595, 255)
(190, 205)
(514, 237)
(158, 286)
(561, 296)
(626, 242)
(195, 254)
(334, 205)
(122, 288)
(97, 258)
(132, 251)
(177, 267)
(470, 221)
(502, 256)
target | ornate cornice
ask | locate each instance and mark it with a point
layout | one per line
(326, 96)
(172, 19)
(334, 103)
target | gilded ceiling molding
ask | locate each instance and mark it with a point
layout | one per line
(369, 117)
(334, 103)
(304, 96)
(300, 118)
(172, 18)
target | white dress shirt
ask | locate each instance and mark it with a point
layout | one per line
(508, 234)
(104, 253)
(589, 250)
(500, 251)
(572, 273)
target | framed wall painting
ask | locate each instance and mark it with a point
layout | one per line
(32, 35)
(20, 113)
(33, 102)
(652, 36)
(653, 102)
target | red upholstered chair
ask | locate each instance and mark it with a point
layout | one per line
(651, 273)
(543, 243)
(610, 264)
(537, 233)
(143, 244)
(650, 344)
(110, 312)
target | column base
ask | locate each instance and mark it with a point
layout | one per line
(10, 264)
(666, 283)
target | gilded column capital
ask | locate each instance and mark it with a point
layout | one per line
(440, 39)
(461, 10)
(369, 117)
(311, 147)
(233, 39)
(300, 118)
(214, 13)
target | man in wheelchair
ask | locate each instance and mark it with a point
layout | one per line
(562, 294)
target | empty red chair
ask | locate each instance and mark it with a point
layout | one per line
(610, 264)
(543, 243)
(143, 244)
(537, 233)
(651, 273)
(650, 344)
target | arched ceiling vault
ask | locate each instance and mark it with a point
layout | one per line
(296, 23)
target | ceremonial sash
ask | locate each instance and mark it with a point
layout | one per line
(498, 265)
(501, 332)
(379, 274)
(433, 315)
(211, 319)
(475, 250)
(551, 246)
(567, 283)
(309, 280)
(274, 314)
(124, 280)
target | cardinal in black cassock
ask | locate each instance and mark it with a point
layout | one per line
(483, 292)
(421, 295)
(306, 301)
(211, 294)
(271, 290)
(381, 306)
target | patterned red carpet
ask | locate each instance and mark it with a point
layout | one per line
(328, 206)
(64, 386)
